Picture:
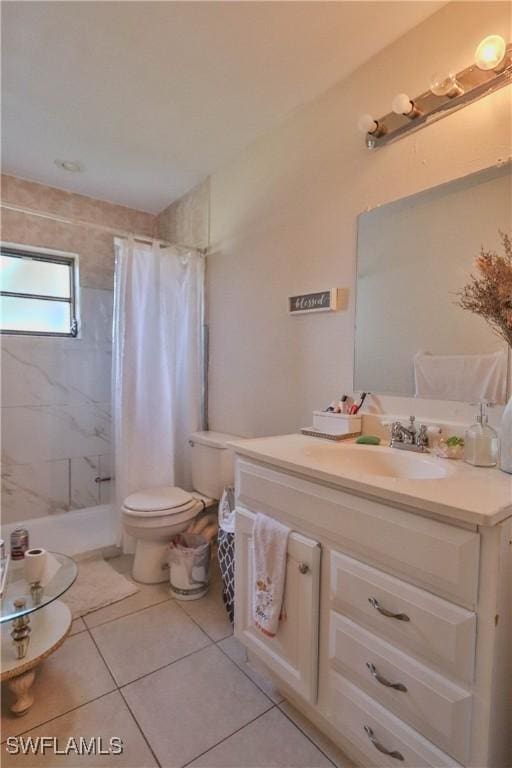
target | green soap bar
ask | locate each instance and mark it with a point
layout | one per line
(368, 440)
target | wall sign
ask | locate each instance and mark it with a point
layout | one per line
(320, 301)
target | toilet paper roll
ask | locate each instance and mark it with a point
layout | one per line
(35, 564)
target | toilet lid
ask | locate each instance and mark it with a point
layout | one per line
(165, 499)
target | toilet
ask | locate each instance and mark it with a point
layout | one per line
(154, 515)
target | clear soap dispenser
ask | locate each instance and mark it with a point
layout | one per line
(481, 443)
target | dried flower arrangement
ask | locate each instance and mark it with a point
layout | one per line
(489, 293)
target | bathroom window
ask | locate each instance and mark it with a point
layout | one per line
(37, 293)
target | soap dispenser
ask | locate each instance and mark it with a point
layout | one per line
(481, 443)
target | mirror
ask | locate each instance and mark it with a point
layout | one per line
(413, 256)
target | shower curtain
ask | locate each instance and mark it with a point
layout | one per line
(156, 367)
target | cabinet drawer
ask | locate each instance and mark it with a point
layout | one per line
(292, 655)
(440, 557)
(439, 632)
(352, 711)
(437, 708)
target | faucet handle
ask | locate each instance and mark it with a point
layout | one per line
(422, 436)
(396, 432)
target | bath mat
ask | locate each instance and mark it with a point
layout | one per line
(97, 585)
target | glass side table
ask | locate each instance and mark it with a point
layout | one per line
(34, 624)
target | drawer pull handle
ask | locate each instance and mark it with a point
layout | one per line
(375, 604)
(303, 568)
(376, 743)
(382, 680)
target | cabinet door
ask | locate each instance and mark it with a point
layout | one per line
(292, 655)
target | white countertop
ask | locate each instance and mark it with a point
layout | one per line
(473, 495)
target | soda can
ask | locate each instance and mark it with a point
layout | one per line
(19, 543)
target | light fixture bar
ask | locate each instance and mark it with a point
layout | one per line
(475, 84)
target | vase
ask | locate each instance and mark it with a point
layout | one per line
(506, 439)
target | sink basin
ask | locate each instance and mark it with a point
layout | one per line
(376, 461)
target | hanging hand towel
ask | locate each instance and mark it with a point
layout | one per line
(270, 540)
(461, 377)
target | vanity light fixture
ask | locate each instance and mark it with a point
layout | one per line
(447, 93)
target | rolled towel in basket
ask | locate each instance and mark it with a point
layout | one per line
(206, 526)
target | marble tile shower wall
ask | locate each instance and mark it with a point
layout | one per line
(56, 392)
(56, 416)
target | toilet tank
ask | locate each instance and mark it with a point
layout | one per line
(212, 462)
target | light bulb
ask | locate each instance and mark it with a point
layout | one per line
(490, 52)
(367, 124)
(401, 104)
(445, 85)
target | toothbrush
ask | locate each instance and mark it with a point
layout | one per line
(357, 406)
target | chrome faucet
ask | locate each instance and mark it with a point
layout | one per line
(409, 438)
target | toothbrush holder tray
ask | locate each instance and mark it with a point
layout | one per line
(336, 423)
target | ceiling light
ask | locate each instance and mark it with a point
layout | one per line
(69, 165)
(490, 52)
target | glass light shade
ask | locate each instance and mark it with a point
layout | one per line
(490, 52)
(402, 104)
(445, 85)
(367, 124)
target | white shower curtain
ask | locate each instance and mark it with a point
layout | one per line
(156, 366)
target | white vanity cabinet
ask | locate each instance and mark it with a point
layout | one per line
(398, 638)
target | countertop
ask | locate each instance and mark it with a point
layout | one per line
(473, 495)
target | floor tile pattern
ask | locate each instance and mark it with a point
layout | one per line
(171, 681)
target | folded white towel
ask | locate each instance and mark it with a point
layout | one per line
(270, 540)
(461, 377)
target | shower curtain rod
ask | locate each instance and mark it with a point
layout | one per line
(121, 233)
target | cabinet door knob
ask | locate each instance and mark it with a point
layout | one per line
(382, 680)
(376, 743)
(303, 568)
(375, 604)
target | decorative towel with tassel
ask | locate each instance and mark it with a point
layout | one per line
(270, 540)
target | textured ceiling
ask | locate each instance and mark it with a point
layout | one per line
(151, 97)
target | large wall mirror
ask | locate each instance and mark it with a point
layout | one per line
(413, 256)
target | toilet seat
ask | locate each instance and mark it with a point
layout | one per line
(159, 502)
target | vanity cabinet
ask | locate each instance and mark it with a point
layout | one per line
(293, 654)
(425, 552)
(398, 639)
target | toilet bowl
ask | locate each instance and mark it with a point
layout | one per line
(155, 515)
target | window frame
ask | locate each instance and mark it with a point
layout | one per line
(48, 255)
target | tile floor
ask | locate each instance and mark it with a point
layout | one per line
(173, 683)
